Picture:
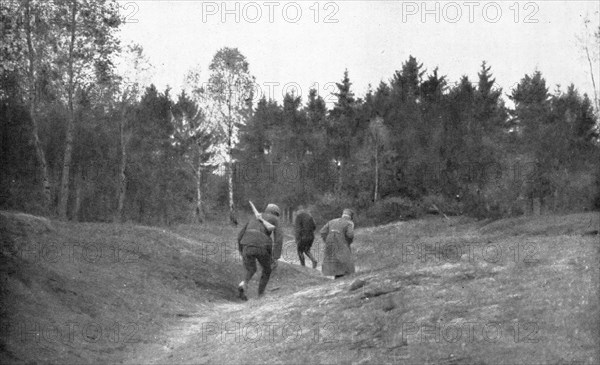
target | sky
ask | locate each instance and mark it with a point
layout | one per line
(296, 45)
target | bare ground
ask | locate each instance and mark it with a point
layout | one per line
(514, 291)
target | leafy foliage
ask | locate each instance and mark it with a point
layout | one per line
(416, 144)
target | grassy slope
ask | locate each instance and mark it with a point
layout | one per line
(119, 285)
(176, 301)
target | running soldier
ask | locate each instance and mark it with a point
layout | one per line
(256, 243)
(304, 232)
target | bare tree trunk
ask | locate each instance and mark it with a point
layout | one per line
(376, 194)
(122, 165)
(64, 186)
(41, 156)
(79, 188)
(338, 188)
(587, 53)
(232, 215)
(199, 208)
(46, 191)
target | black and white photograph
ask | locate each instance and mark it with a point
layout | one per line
(300, 182)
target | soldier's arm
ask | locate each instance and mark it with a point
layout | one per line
(277, 241)
(324, 231)
(313, 225)
(240, 236)
(350, 232)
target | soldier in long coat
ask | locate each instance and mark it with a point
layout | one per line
(338, 235)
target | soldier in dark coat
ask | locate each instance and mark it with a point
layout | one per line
(255, 243)
(338, 234)
(304, 232)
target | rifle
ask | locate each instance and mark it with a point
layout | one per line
(258, 216)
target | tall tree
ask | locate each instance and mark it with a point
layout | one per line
(433, 111)
(129, 92)
(230, 87)
(292, 140)
(342, 124)
(458, 137)
(90, 27)
(379, 138)
(405, 122)
(317, 163)
(193, 138)
(589, 42)
(255, 151)
(532, 111)
(152, 165)
(532, 105)
(27, 51)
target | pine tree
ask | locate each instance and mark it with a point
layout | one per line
(255, 152)
(151, 165)
(532, 111)
(342, 124)
(316, 167)
(193, 140)
(531, 100)
(490, 108)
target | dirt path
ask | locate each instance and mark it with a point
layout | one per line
(543, 306)
(202, 337)
(515, 291)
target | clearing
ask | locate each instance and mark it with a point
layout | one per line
(514, 291)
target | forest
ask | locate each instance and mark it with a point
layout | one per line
(87, 137)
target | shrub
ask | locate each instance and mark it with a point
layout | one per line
(447, 205)
(329, 206)
(389, 210)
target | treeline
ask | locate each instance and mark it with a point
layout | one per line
(81, 141)
(416, 145)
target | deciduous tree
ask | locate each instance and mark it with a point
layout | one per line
(230, 86)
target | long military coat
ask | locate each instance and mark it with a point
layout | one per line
(338, 234)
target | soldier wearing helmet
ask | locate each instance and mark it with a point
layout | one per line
(256, 243)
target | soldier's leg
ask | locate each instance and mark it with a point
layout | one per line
(299, 250)
(265, 262)
(249, 263)
(301, 257)
(314, 261)
(250, 267)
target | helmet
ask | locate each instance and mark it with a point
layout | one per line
(349, 213)
(273, 209)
